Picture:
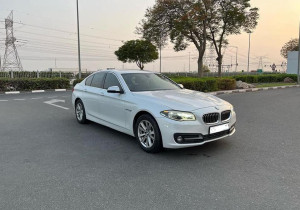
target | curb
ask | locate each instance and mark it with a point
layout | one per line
(12, 92)
(38, 91)
(251, 90)
(34, 91)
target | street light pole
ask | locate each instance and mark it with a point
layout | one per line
(236, 59)
(189, 61)
(79, 58)
(160, 58)
(298, 80)
(248, 67)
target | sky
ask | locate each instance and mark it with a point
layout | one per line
(46, 35)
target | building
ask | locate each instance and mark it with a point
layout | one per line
(292, 65)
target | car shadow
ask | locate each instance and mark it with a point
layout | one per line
(129, 144)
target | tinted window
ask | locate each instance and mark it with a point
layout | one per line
(88, 81)
(111, 80)
(148, 82)
(98, 80)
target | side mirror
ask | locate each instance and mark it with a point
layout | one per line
(181, 85)
(114, 89)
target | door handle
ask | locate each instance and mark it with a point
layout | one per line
(84, 90)
(101, 94)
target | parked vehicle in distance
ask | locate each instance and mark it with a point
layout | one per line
(155, 110)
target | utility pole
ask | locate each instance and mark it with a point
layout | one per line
(189, 61)
(79, 58)
(12, 60)
(299, 58)
(260, 63)
(236, 59)
(160, 58)
(248, 67)
(160, 43)
(231, 64)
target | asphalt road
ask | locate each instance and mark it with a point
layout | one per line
(49, 161)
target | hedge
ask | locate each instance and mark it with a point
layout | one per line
(265, 78)
(76, 81)
(33, 74)
(7, 84)
(206, 84)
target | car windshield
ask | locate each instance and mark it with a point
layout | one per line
(137, 82)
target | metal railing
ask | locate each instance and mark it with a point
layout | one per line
(41, 74)
(215, 74)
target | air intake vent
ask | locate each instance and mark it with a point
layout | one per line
(225, 115)
(211, 117)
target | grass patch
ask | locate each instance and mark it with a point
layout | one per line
(274, 84)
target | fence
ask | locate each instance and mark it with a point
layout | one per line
(74, 75)
(41, 74)
(213, 74)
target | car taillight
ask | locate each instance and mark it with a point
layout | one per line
(73, 90)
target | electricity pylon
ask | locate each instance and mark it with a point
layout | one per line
(12, 60)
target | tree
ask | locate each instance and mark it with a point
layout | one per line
(183, 21)
(227, 17)
(137, 51)
(292, 45)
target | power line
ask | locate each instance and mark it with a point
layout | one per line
(64, 38)
(69, 32)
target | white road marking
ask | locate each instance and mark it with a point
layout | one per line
(3, 100)
(12, 92)
(53, 101)
(36, 98)
(60, 90)
(38, 91)
(21, 99)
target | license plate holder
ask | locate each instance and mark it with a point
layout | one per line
(218, 128)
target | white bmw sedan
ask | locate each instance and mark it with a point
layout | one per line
(155, 110)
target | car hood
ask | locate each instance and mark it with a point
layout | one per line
(184, 100)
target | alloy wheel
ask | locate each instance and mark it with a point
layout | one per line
(146, 133)
(79, 111)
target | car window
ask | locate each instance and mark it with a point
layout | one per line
(111, 80)
(98, 80)
(88, 81)
(148, 82)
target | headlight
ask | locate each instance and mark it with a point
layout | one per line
(179, 116)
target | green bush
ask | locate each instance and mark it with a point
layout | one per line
(226, 84)
(76, 81)
(7, 84)
(206, 84)
(267, 78)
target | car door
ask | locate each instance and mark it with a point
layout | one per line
(113, 109)
(94, 93)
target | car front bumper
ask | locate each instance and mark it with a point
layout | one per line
(171, 129)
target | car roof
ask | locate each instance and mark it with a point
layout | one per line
(120, 71)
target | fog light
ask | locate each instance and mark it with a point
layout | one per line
(179, 139)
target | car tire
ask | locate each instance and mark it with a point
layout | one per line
(80, 112)
(147, 133)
